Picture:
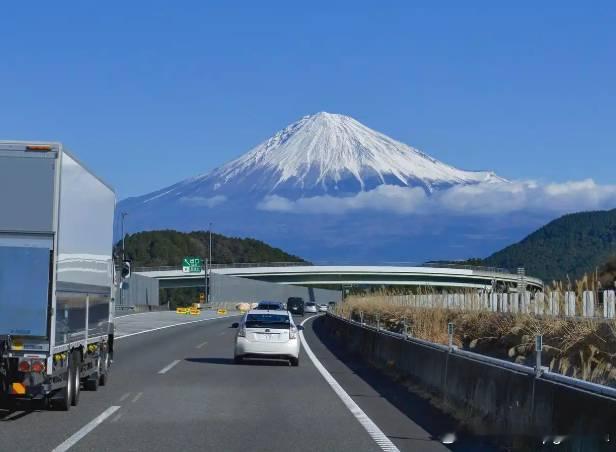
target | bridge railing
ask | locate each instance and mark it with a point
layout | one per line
(226, 265)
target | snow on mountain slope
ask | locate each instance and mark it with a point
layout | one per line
(321, 154)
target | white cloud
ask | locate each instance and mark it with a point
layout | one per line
(480, 199)
(201, 201)
(383, 198)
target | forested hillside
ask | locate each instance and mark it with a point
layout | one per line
(168, 247)
(571, 245)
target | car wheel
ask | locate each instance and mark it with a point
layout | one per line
(294, 362)
(238, 360)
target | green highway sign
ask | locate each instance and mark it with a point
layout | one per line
(192, 265)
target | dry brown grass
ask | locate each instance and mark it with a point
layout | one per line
(580, 348)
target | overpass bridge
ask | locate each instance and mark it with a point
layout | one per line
(301, 274)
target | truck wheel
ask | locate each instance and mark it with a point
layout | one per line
(76, 380)
(104, 371)
(63, 398)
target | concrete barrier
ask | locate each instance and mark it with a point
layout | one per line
(494, 397)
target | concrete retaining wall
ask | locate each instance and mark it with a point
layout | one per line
(139, 290)
(492, 399)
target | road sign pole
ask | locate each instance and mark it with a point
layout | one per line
(205, 295)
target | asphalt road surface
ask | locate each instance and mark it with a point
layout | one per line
(177, 388)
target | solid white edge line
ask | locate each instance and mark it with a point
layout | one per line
(166, 369)
(175, 324)
(373, 430)
(83, 431)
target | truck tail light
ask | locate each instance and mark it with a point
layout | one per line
(38, 366)
(24, 366)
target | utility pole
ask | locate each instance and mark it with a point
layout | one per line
(208, 263)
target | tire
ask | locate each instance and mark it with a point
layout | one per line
(76, 380)
(238, 360)
(63, 398)
(294, 362)
(104, 371)
(91, 384)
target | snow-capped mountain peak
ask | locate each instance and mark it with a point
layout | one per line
(320, 154)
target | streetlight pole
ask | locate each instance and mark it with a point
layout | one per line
(210, 245)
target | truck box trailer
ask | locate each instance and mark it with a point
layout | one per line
(56, 274)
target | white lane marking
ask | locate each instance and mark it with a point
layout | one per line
(202, 344)
(137, 397)
(373, 430)
(117, 418)
(124, 397)
(73, 439)
(166, 369)
(175, 324)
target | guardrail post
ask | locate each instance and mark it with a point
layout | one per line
(361, 317)
(538, 349)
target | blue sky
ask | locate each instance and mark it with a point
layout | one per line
(148, 93)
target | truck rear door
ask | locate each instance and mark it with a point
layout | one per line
(27, 228)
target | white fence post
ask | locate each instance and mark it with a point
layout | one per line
(539, 303)
(515, 302)
(588, 304)
(569, 303)
(493, 302)
(609, 299)
(505, 302)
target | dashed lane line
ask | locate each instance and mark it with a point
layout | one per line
(83, 431)
(166, 369)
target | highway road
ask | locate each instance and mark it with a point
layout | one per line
(177, 388)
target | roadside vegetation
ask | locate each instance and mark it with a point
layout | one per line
(580, 348)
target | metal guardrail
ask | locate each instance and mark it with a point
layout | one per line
(543, 374)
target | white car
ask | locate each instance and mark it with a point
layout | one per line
(267, 335)
(322, 307)
(311, 307)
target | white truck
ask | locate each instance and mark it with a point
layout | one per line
(56, 275)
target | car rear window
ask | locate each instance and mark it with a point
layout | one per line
(269, 306)
(310, 304)
(268, 321)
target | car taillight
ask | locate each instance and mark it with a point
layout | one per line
(24, 366)
(38, 366)
(242, 331)
(292, 333)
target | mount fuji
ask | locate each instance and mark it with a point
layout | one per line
(318, 158)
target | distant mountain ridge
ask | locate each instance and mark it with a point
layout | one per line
(571, 245)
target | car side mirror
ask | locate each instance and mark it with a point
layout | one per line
(235, 325)
(300, 328)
